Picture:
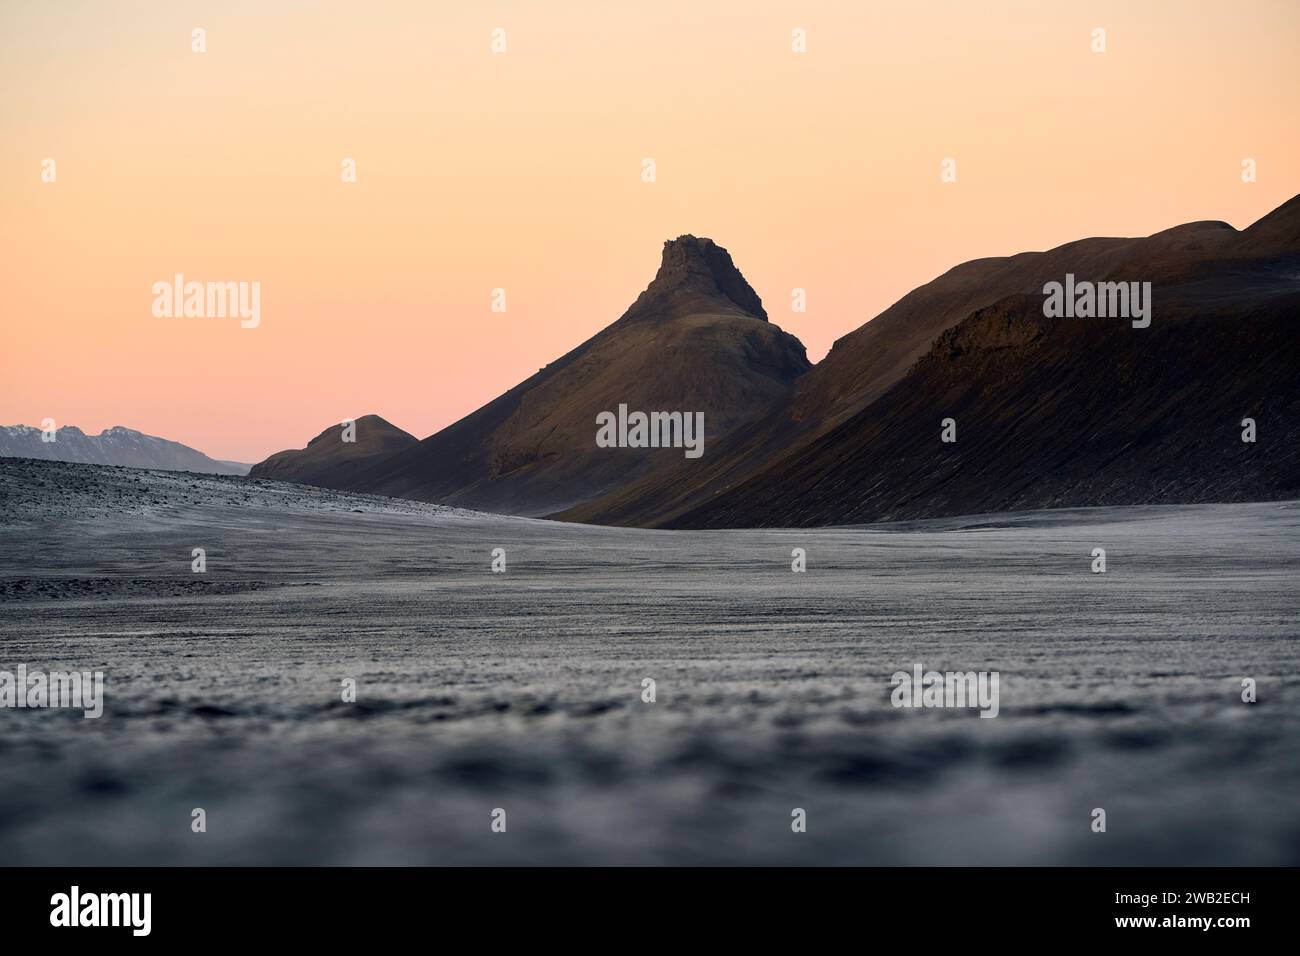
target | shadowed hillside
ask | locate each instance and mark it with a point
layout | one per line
(869, 414)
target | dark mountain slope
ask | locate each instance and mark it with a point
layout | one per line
(868, 362)
(1065, 412)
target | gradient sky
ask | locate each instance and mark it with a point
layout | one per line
(522, 171)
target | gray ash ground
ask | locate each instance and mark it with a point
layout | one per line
(522, 690)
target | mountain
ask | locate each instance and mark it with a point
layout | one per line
(696, 340)
(331, 462)
(1050, 412)
(113, 446)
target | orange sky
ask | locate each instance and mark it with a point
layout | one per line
(522, 170)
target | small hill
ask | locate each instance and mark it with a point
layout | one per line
(330, 461)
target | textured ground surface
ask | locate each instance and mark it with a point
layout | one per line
(522, 690)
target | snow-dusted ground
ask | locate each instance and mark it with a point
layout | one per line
(523, 690)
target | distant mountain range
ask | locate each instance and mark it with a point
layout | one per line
(1048, 412)
(112, 446)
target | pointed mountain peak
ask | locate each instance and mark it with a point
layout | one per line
(697, 275)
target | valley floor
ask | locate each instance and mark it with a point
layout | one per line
(522, 690)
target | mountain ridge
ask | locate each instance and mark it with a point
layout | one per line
(698, 336)
(865, 363)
